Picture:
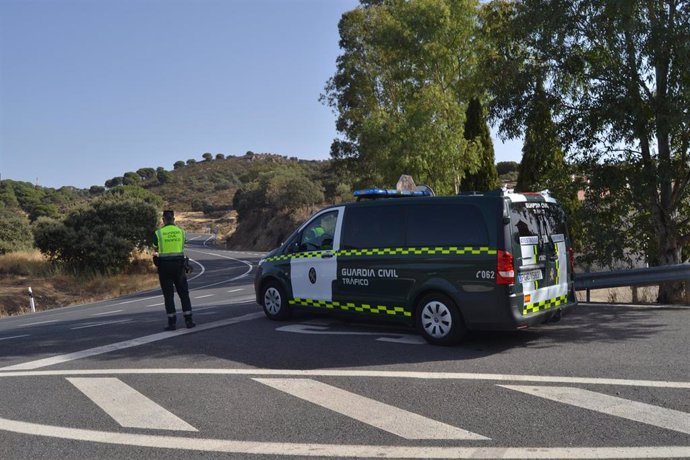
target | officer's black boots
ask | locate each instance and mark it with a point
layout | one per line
(188, 321)
(172, 324)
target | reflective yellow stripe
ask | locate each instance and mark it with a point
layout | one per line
(544, 304)
(350, 306)
(444, 250)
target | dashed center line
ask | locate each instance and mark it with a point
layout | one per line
(106, 313)
(234, 290)
(204, 296)
(104, 323)
(41, 322)
(14, 337)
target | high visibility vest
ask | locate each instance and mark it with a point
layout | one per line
(170, 241)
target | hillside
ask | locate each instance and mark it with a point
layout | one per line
(276, 194)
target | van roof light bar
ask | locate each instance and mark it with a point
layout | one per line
(374, 193)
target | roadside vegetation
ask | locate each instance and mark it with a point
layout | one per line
(54, 287)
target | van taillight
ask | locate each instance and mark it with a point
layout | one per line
(505, 269)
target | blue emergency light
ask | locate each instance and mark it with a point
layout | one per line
(373, 193)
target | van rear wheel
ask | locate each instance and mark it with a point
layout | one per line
(439, 320)
(275, 301)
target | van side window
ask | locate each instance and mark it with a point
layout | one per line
(374, 227)
(446, 225)
(318, 234)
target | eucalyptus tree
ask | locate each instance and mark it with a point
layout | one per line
(401, 88)
(618, 74)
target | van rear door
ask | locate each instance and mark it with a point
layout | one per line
(542, 260)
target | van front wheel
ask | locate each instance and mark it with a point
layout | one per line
(275, 301)
(439, 320)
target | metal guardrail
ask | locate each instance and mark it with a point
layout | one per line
(632, 277)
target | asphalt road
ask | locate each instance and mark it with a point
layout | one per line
(104, 380)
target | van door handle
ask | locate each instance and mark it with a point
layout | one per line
(553, 258)
(326, 255)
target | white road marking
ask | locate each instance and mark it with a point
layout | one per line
(156, 304)
(127, 344)
(14, 337)
(135, 300)
(106, 313)
(312, 329)
(338, 450)
(231, 258)
(234, 290)
(40, 322)
(204, 296)
(619, 407)
(327, 372)
(104, 323)
(127, 406)
(394, 420)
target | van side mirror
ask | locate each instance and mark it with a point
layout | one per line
(294, 247)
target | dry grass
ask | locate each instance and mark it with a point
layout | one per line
(52, 289)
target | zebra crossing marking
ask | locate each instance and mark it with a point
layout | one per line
(394, 420)
(127, 406)
(611, 405)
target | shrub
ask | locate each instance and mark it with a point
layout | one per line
(15, 232)
(99, 238)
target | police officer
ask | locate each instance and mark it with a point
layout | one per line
(172, 266)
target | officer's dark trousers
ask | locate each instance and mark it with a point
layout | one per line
(172, 276)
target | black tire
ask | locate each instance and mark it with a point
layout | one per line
(439, 320)
(275, 302)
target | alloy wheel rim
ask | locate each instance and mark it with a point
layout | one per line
(272, 300)
(436, 319)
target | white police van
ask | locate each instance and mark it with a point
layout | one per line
(479, 261)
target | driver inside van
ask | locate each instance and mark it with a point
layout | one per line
(320, 236)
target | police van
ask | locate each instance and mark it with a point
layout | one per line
(478, 261)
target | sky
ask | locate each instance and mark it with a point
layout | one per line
(91, 89)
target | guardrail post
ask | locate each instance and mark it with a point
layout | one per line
(31, 301)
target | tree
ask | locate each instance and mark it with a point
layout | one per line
(191, 161)
(15, 232)
(207, 156)
(7, 195)
(114, 182)
(164, 176)
(400, 91)
(220, 156)
(477, 131)
(96, 190)
(98, 238)
(178, 164)
(507, 167)
(618, 74)
(543, 162)
(131, 178)
(146, 173)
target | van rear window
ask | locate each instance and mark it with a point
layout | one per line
(527, 218)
